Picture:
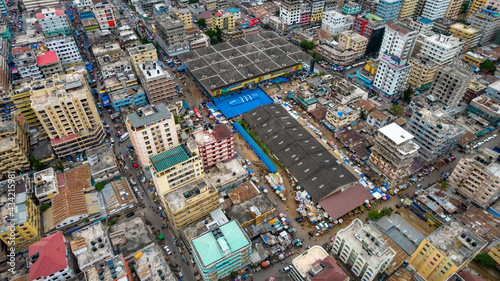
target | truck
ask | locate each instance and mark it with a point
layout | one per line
(297, 243)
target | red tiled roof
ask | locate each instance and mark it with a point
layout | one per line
(341, 203)
(332, 271)
(58, 140)
(52, 256)
(39, 16)
(59, 12)
(470, 276)
(20, 50)
(221, 132)
(47, 58)
(61, 183)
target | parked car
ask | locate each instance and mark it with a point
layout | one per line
(167, 250)
(286, 269)
(419, 186)
(297, 243)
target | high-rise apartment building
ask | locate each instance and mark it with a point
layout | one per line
(441, 48)
(394, 151)
(158, 83)
(408, 8)
(474, 6)
(65, 48)
(305, 14)
(335, 23)
(363, 247)
(215, 144)
(21, 227)
(222, 250)
(171, 35)
(317, 9)
(26, 64)
(450, 84)
(152, 130)
(14, 144)
(184, 15)
(453, 8)
(423, 72)
(142, 53)
(103, 13)
(371, 27)
(487, 21)
(422, 25)
(5, 77)
(394, 69)
(223, 19)
(389, 9)
(66, 110)
(53, 21)
(445, 251)
(435, 132)
(477, 177)
(352, 40)
(20, 96)
(467, 33)
(49, 64)
(435, 9)
(290, 12)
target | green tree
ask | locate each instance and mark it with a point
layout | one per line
(336, 37)
(144, 41)
(233, 274)
(315, 55)
(193, 1)
(374, 215)
(218, 31)
(267, 26)
(112, 222)
(19, 7)
(386, 212)
(59, 166)
(462, 21)
(398, 110)
(211, 33)
(322, 73)
(215, 41)
(307, 45)
(277, 12)
(202, 23)
(485, 260)
(407, 94)
(465, 6)
(487, 66)
(444, 185)
(37, 165)
(99, 186)
(43, 207)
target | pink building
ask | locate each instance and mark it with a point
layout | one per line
(215, 144)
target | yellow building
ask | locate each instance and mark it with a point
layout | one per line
(352, 40)
(20, 228)
(467, 33)
(408, 9)
(372, 66)
(495, 253)
(191, 202)
(20, 96)
(66, 109)
(420, 7)
(223, 19)
(453, 8)
(342, 116)
(476, 4)
(317, 9)
(186, 16)
(474, 58)
(423, 72)
(445, 251)
(210, 5)
(142, 53)
(14, 144)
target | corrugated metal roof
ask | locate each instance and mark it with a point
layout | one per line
(169, 158)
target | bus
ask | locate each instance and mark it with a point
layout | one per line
(124, 137)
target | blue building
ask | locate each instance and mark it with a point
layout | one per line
(351, 8)
(221, 250)
(365, 78)
(128, 96)
(389, 9)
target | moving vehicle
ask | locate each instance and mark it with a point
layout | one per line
(286, 269)
(167, 250)
(297, 243)
(124, 137)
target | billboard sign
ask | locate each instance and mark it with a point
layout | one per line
(254, 21)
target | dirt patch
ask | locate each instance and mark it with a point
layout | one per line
(488, 274)
(419, 224)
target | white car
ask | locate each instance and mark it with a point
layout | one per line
(112, 140)
(167, 250)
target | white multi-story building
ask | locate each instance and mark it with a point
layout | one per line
(441, 49)
(450, 84)
(53, 21)
(487, 20)
(394, 69)
(363, 247)
(103, 13)
(65, 47)
(336, 23)
(32, 5)
(290, 12)
(435, 9)
(82, 3)
(152, 130)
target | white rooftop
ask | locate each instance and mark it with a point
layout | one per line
(397, 134)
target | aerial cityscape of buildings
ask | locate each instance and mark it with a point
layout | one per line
(250, 140)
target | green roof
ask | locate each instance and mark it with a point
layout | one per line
(307, 102)
(169, 158)
(211, 251)
(374, 17)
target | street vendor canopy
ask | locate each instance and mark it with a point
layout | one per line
(341, 203)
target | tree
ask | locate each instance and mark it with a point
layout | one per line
(398, 110)
(43, 207)
(267, 26)
(407, 94)
(444, 185)
(307, 45)
(19, 7)
(211, 33)
(99, 186)
(487, 66)
(144, 41)
(215, 41)
(218, 31)
(315, 55)
(277, 12)
(202, 23)
(193, 1)
(386, 212)
(37, 165)
(336, 37)
(374, 215)
(464, 7)
(462, 21)
(485, 260)
(59, 166)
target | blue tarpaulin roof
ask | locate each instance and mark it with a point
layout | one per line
(238, 104)
(269, 164)
(185, 105)
(89, 67)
